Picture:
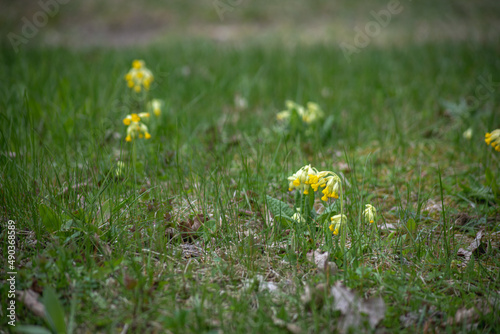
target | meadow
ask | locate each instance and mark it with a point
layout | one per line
(203, 228)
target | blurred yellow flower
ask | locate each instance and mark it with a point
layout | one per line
(136, 129)
(155, 105)
(131, 118)
(493, 139)
(313, 113)
(139, 76)
(370, 213)
(283, 115)
(309, 115)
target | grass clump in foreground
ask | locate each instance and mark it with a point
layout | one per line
(195, 230)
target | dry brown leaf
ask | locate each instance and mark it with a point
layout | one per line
(464, 315)
(476, 248)
(433, 206)
(294, 329)
(321, 261)
(130, 283)
(462, 218)
(188, 228)
(30, 300)
(356, 310)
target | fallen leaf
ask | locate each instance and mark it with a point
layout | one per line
(476, 248)
(432, 206)
(387, 227)
(464, 315)
(260, 284)
(356, 310)
(188, 228)
(30, 300)
(462, 219)
(321, 261)
(294, 329)
(130, 283)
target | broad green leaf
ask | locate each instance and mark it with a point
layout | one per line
(54, 311)
(279, 209)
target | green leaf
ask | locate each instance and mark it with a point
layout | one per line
(411, 225)
(50, 219)
(28, 329)
(54, 311)
(279, 209)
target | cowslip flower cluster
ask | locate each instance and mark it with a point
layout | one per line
(370, 213)
(337, 222)
(139, 76)
(310, 114)
(308, 177)
(493, 139)
(136, 128)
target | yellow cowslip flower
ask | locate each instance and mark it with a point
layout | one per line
(136, 129)
(300, 180)
(493, 139)
(155, 105)
(313, 113)
(370, 213)
(337, 222)
(283, 115)
(139, 76)
(319, 180)
(138, 64)
(131, 118)
(332, 187)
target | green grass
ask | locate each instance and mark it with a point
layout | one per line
(112, 248)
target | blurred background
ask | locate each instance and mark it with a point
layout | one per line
(116, 23)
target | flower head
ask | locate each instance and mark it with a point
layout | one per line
(139, 76)
(493, 139)
(337, 222)
(155, 105)
(332, 186)
(313, 113)
(370, 213)
(136, 129)
(300, 179)
(283, 115)
(308, 115)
